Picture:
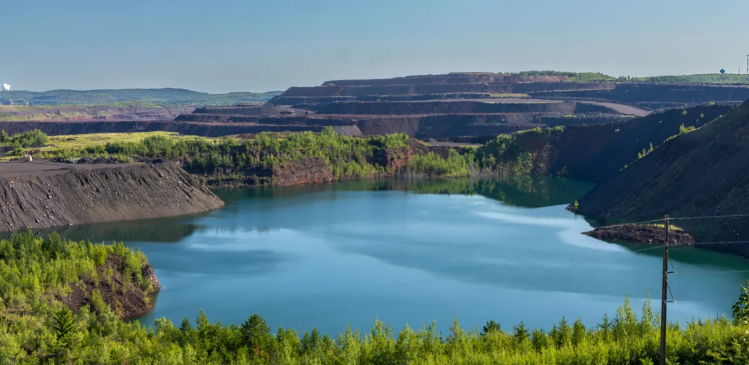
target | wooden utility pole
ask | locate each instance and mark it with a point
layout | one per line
(664, 297)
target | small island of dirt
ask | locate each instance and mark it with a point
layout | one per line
(641, 233)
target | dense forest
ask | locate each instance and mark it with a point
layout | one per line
(36, 328)
(250, 159)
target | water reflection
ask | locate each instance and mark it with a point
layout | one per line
(165, 230)
(523, 191)
(407, 252)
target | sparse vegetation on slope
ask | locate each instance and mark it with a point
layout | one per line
(701, 172)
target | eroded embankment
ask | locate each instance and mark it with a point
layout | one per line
(39, 195)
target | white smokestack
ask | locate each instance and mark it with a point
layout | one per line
(6, 87)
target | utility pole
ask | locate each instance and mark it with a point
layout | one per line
(664, 298)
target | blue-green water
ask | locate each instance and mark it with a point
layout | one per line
(409, 253)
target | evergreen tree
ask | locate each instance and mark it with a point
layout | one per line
(491, 326)
(520, 333)
(256, 335)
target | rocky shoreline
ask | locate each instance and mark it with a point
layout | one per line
(641, 233)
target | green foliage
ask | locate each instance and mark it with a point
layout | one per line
(49, 332)
(646, 151)
(573, 76)
(455, 165)
(347, 157)
(701, 79)
(31, 266)
(33, 138)
(741, 307)
(685, 130)
(514, 153)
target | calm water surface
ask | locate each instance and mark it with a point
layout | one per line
(409, 253)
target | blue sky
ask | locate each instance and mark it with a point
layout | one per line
(232, 45)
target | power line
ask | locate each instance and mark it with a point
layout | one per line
(712, 216)
(714, 243)
(688, 272)
(649, 248)
(684, 218)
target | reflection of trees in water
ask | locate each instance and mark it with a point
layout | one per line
(521, 191)
(156, 230)
(235, 228)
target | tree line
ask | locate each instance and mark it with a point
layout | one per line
(36, 328)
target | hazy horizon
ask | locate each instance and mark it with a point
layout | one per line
(265, 46)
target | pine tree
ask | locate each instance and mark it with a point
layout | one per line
(256, 334)
(520, 333)
(491, 326)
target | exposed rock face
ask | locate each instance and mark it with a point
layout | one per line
(640, 233)
(304, 171)
(39, 195)
(123, 295)
(148, 273)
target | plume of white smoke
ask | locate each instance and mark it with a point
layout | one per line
(6, 87)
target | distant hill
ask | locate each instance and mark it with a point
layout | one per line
(160, 97)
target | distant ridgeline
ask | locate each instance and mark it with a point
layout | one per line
(155, 97)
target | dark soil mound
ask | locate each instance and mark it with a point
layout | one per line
(39, 195)
(599, 152)
(640, 233)
(702, 173)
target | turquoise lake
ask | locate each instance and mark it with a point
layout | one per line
(410, 252)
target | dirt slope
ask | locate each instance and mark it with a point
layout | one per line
(38, 195)
(598, 152)
(699, 173)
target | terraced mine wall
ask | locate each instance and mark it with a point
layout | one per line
(40, 195)
(442, 107)
(262, 110)
(658, 95)
(474, 78)
(357, 91)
